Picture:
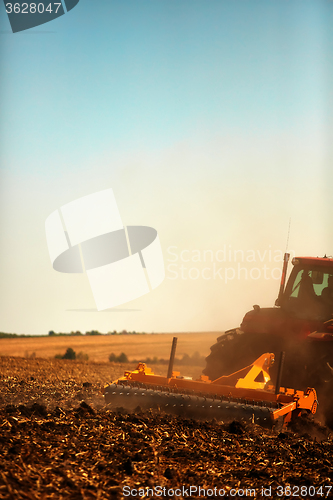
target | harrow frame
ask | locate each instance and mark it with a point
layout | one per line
(248, 391)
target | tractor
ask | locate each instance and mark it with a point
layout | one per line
(299, 325)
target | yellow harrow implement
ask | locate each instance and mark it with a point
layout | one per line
(246, 394)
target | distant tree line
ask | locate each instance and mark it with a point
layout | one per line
(94, 332)
(52, 333)
(13, 335)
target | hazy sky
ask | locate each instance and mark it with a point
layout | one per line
(211, 120)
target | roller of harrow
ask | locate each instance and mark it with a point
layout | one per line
(190, 406)
(244, 395)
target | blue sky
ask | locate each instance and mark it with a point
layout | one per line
(149, 73)
(211, 121)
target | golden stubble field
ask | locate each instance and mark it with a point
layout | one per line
(99, 347)
(60, 441)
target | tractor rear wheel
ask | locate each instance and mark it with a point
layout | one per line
(235, 350)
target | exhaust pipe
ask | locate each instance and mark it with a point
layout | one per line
(283, 278)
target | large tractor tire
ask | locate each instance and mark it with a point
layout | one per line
(235, 350)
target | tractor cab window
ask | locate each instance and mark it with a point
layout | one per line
(317, 281)
(296, 285)
(310, 293)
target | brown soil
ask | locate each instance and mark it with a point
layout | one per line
(58, 440)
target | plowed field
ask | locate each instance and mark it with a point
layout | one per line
(58, 440)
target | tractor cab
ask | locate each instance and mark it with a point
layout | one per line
(309, 291)
(304, 304)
